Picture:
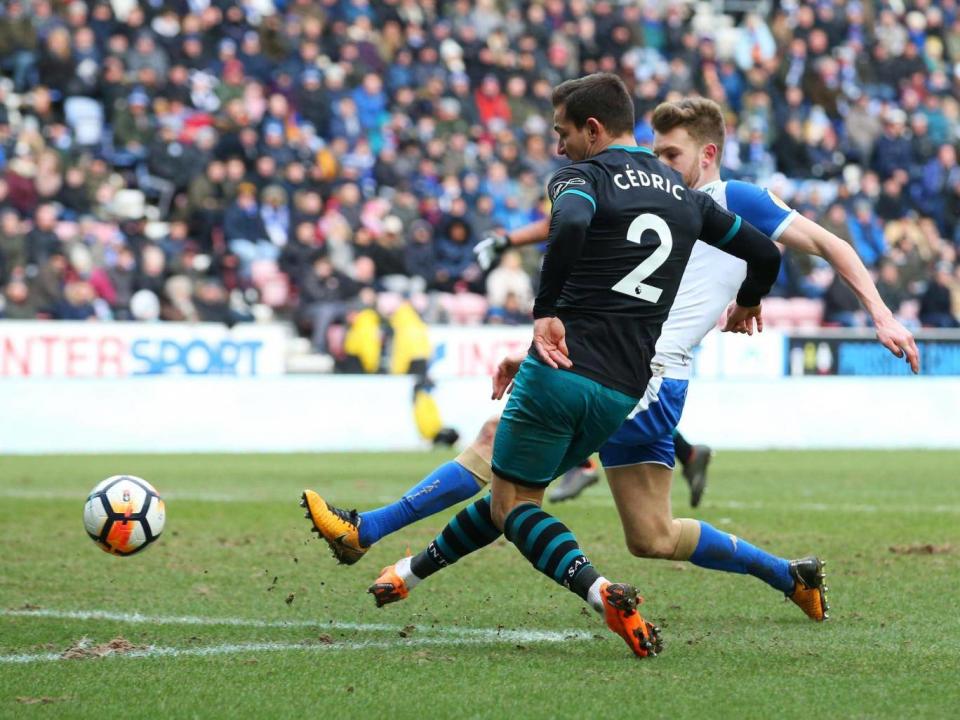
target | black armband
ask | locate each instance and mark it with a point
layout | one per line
(763, 263)
(568, 232)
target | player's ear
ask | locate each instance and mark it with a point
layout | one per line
(594, 128)
(708, 154)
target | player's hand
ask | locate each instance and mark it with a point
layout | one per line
(898, 340)
(489, 249)
(741, 319)
(503, 377)
(550, 340)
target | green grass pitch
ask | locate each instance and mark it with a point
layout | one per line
(242, 614)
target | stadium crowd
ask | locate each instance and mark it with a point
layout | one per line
(228, 160)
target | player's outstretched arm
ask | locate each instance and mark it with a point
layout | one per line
(804, 235)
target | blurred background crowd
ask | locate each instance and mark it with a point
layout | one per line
(231, 161)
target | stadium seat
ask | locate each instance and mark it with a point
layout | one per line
(262, 270)
(806, 313)
(464, 308)
(274, 286)
(275, 292)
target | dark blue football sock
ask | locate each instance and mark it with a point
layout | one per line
(718, 550)
(471, 529)
(550, 546)
(681, 447)
(443, 488)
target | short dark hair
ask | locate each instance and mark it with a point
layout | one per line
(700, 117)
(602, 96)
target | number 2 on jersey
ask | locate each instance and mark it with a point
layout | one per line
(633, 283)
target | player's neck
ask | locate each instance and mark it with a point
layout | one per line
(710, 175)
(608, 142)
(627, 140)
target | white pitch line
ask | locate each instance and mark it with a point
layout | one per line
(236, 648)
(479, 634)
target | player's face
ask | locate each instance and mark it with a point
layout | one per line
(572, 141)
(681, 152)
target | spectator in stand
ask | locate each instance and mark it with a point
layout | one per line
(936, 305)
(123, 279)
(893, 150)
(891, 204)
(212, 303)
(17, 303)
(13, 245)
(492, 104)
(275, 213)
(57, 67)
(457, 269)
(389, 256)
(244, 230)
(152, 273)
(509, 313)
(133, 128)
(325, 296)
(792, 154)
(939, 175)
(420, 256)
(841, 307)
(76, 302)
(47, 288)
(42, 241)
(889, 286)
(178, 302)
(866, 233)
(509, 279)
(18, 39)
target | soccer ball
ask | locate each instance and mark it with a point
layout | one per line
(123, 514)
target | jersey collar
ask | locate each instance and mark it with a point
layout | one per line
(710, 186)
(631, 148)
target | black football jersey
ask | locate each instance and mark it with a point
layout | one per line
(619, 291)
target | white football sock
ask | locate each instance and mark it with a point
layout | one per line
(402, 569)
(593, 594)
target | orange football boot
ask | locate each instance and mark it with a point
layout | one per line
(340, 528)
(809, 592)
(389, 587)
(620, 611)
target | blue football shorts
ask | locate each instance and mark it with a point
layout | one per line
(646, 436)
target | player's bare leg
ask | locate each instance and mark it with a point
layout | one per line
(642, 495)
(350, 533)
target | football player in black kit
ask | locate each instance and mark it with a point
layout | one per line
(621, 232)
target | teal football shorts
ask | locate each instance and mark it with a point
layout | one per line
(554, 420)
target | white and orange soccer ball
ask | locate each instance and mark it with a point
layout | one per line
(124, 514)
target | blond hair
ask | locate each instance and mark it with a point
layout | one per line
(700, 117)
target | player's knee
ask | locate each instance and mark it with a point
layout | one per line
(500, 509)
(499, 512)
(483, 443)
(649, 545)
